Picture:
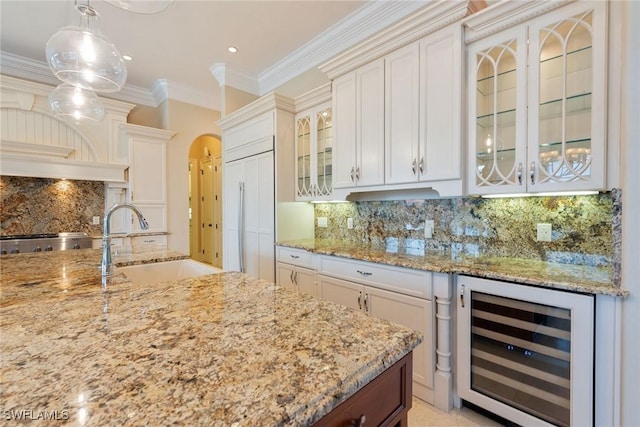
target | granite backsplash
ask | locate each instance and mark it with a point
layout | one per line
(585, 229)
(42, 205)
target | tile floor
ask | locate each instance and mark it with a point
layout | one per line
(424, 415)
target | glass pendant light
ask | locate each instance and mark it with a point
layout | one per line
(142, 6)
(77, 105)
(81, 56)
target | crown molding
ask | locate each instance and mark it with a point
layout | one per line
(39, 72)
(313, 97)
(42, 89)
(505, 14)
(131, 129)
(163, 89)
(431, 17)
(268, 102)
(356, 27)
(228, 77)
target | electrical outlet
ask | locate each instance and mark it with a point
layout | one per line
(543, 232)
(96, 220)
(429, 225)
(323, 222)
(350, 223)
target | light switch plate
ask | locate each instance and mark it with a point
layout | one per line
(322, 221)
(96, 220)
(350, 223)
(428, 228)
(543, 232)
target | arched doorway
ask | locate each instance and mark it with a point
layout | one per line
(205, 200)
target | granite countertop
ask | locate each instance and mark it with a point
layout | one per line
(569, 277)
(223, 349)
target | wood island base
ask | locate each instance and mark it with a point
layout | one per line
(385, 401)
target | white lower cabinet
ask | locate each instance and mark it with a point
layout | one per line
(295, 270)
(298, 279)
(415, 313)
(159, 241)
(406, 296)
(389, 293)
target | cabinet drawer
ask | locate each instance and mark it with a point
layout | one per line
(141, 241)
(295, 256)
(403, 280)
(385, 401)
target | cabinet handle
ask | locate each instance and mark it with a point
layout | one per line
(295, 256)
(462, 295)
(520, 173)
(364, 273)
(295, 278)
(359, 422)
(358, 173)
(532, 172)
(291, 276)
(366, 303)
(360, 300)
(353, 172)
(413, 166)
(421, 166)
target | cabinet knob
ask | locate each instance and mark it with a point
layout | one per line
(360, 421)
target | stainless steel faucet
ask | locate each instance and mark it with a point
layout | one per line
(107, 262)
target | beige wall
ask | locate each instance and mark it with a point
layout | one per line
(146, 116)
(234, 99)
(189, 122)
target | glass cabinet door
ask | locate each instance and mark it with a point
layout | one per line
(497, 105)
(567, 102)
(303, 156)
(314, 153)
(324, 147)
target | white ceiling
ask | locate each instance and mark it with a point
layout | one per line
(182, 46)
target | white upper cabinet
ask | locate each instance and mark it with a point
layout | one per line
(567, 102)
(403, 161)
(314, 153)
(148, 173)
(423, 110)
(441, 109)
(537, 119)
(358, 109)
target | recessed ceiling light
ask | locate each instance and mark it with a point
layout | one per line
(127, 57)
(232, 49)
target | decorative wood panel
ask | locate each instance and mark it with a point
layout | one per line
(34, 127)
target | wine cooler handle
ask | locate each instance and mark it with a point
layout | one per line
(462, 295)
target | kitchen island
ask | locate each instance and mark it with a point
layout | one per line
(222, 349)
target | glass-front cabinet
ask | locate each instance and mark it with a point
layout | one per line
(537, 104)
(499, 110)
(314, 150)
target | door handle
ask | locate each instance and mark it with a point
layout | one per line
(241, 227)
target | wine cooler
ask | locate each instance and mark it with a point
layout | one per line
(526, 353)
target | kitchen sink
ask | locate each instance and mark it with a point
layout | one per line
(167, 271)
